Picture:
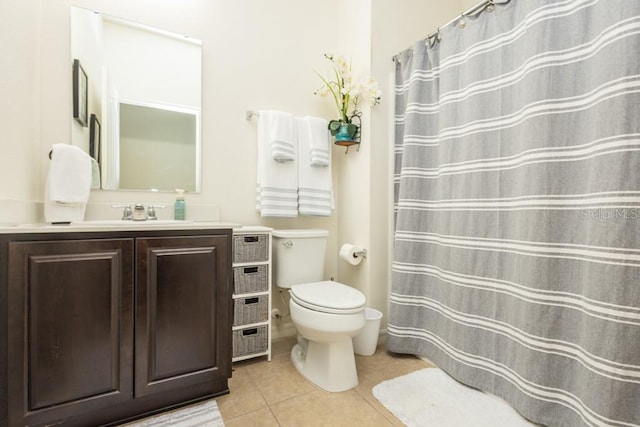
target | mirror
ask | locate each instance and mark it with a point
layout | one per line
(144, 87)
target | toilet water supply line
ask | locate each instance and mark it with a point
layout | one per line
(275, 313)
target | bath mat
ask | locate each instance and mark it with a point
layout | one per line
(204, 414)
(430, 397)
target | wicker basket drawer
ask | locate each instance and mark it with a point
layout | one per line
(250, 341)
(250, 310)
(250, 279)
(250, 248)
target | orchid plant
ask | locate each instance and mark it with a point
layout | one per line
(346, 94)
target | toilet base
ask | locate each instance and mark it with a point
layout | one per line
(330, 366)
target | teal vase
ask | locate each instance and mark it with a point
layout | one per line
(345, 134)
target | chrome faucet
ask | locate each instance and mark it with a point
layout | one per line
(139, 213)
(127, 214)
(151, 211)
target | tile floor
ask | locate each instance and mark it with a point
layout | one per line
(274, 394)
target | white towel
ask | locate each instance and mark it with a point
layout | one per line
(95, 174)
(315, 185)
(281, 134)
(69, 179)
(277, 182)
(68, 184)
(319, 141)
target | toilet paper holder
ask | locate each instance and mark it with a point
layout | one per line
(362, 253)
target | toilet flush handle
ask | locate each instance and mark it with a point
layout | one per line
(288, 244)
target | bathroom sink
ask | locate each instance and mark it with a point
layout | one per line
(120, 222)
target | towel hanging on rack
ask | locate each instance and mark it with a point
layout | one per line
(315, 186)
(280, 135)
(277, 182)
(68, 184)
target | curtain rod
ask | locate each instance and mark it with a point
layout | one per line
(480, 7)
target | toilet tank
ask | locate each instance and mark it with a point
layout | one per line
(298, 256)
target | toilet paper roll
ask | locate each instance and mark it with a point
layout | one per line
(348, 252)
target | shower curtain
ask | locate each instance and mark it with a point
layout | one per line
(517, 194)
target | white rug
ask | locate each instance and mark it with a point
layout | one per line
(199, 414)
(430, 397)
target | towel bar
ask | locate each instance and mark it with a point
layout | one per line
(251, 114)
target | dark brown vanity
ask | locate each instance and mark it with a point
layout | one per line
(103, 326)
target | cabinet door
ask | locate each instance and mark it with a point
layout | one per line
(70, 327)
(183, 324)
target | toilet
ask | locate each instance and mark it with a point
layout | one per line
(327, 314)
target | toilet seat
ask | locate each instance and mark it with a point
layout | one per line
(328, 297)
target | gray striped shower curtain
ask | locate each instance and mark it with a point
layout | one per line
(517, 194)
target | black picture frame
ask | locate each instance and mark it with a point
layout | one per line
(80, 93)
(94, 138)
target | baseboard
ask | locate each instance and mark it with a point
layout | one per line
(283, 331)
(382, 336)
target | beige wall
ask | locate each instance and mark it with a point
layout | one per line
(256, 55)
(20, 125)
(394, 29)
(468, 4)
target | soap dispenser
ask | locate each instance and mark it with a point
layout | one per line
(179, 207)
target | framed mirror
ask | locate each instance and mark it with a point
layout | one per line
(144, 87)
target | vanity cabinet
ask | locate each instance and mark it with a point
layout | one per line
(102, 327)
(70, 327)
(177, 319)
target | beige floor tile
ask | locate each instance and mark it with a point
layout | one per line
(383, 358)
(278, 380)
(274, 394)
(260, 418)
(386, 366)
(243, 395)
(320, 408)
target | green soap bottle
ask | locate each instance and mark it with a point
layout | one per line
(179, 208)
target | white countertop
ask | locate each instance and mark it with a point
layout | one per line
(116, 225)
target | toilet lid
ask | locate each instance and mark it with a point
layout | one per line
(328, 297)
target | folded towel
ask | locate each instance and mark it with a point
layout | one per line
(69, 179)
(280, 134)
(68, 184)
(315, 185)
(319, 141)
(62, 212)
(277, 182)
(95, 174)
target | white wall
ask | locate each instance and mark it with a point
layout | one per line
(365, 176)
(20, 125)
(468, 4)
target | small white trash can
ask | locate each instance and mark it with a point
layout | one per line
(366, 341)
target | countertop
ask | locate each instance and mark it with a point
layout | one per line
(115, 225)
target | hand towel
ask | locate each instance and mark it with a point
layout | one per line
(281, 135)
(277, 182)
(95, 174)
(70, 172)
(315, 184)
(68, 184)
(319, 141)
